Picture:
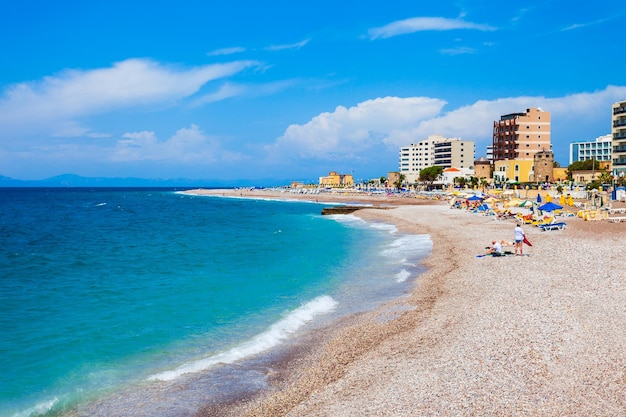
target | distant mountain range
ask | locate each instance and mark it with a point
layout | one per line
(71, 180)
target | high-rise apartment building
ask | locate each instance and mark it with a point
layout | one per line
(619, 138)
(521, 135)
(600, 149)
(436, 151)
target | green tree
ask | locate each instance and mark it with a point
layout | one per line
(606, 177)
(430, 174)
(586, 165)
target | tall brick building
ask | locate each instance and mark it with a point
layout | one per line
(521, 135)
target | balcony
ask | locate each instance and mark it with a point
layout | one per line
(619, 123)
(619, 110)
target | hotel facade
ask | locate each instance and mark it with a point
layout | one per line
(436, 151)
(618, 131)
(517, 138)
(600, 149)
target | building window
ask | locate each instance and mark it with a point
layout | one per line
(516, 168)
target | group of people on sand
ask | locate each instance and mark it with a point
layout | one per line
(496, 248)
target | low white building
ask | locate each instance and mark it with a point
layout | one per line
(450, 174)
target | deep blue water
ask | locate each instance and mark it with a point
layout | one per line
(103, 289)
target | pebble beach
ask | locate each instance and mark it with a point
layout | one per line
(536, 335)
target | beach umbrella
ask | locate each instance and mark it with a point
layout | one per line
(491, 200)
(550, 207)
(548, 198)
(514, 202)
(474, 198)
(525, 203)
(562, 199)
(570, 200)
(538, 198)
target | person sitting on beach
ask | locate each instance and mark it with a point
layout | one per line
(495, 249)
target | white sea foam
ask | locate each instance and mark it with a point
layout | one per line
(348, 219)
(408, 246)
(39, 409)
(384, 227)
(402, 275)
(272, 337)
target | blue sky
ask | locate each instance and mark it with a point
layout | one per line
(289, 90)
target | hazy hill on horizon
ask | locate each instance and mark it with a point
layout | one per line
(72, 180)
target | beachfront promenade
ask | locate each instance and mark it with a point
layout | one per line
(537, 335)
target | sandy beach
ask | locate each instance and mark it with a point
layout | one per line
(537, 335)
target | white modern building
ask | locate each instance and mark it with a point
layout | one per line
(599, 149)
(436, 151)
(489, 155)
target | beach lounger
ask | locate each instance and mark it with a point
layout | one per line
(552, 226)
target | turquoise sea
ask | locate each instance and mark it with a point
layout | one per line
(118, 302)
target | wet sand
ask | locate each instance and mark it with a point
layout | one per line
(537, 335)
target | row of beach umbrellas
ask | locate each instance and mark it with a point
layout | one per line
(548, 206)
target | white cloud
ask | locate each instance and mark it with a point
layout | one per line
(460, 50)
(227, 51)
(188, 146)
(229, 90)
(225, 91)
(61, 99)
(296, 45)
(371, 128)
(418, 24)
(349, 132)
(582, 25)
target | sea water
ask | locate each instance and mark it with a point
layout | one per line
(111, 298)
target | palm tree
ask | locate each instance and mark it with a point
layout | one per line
(400, 181)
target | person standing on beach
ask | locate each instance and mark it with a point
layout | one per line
(519, 239)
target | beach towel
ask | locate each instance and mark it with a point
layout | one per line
(526, 241)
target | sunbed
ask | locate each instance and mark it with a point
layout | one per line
(552, 226)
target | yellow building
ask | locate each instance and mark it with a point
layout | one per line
(559, 174)
(513, 170)
(334, 179)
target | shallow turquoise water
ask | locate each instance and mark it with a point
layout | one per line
(104, 288)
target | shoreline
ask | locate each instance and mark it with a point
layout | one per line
(537, 335)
